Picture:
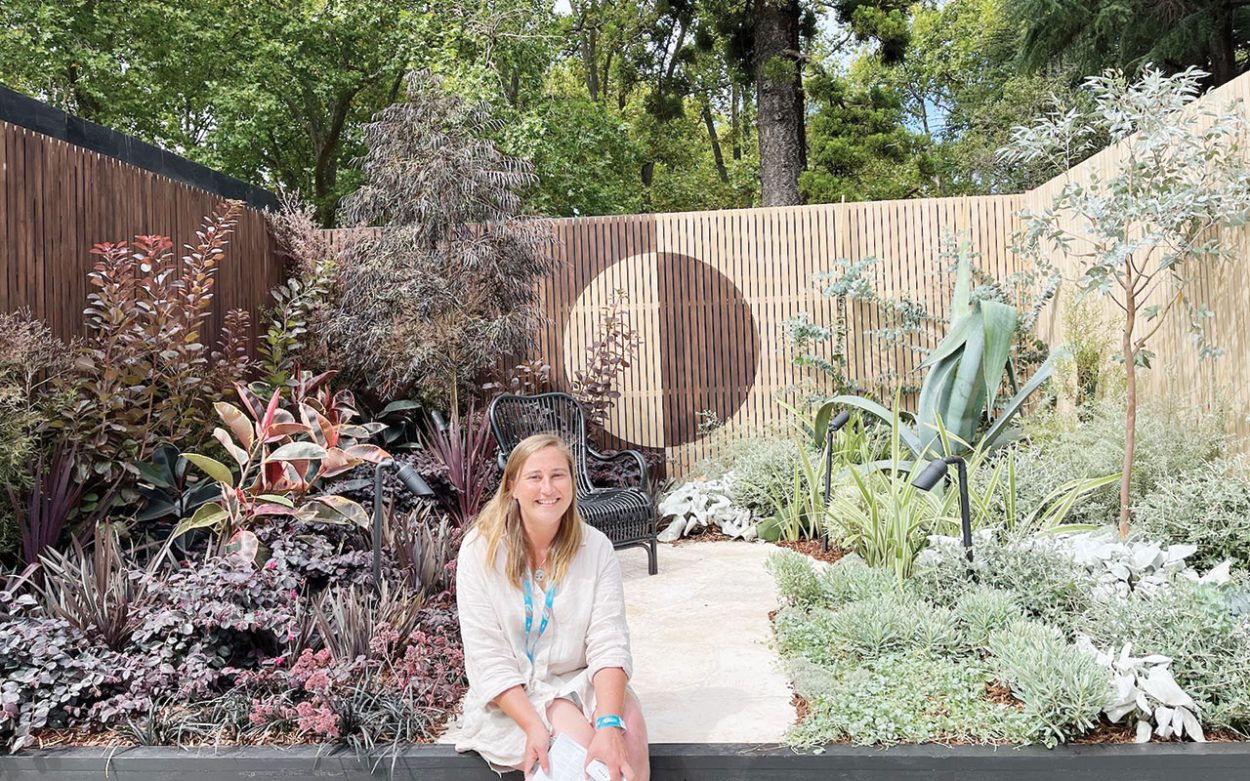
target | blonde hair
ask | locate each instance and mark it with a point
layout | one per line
(499, 522)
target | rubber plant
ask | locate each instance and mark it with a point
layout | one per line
(965, 371)
(280, 458)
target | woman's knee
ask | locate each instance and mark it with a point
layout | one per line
(565, 717)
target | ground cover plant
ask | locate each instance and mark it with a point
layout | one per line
(1014, 648)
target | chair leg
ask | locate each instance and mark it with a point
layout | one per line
(653, 562)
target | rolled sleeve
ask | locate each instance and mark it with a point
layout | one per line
(489, 661)
(607, 637)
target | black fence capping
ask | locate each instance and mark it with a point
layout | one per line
(24, 111)
(669, 762)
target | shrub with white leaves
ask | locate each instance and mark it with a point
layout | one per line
(1143, 688)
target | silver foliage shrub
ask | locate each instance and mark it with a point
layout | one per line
(1063, 688)
(1208, 507)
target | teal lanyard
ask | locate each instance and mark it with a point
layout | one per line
(530, 647)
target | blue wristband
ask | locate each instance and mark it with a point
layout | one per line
(610, 720)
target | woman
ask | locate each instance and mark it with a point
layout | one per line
(542, 614)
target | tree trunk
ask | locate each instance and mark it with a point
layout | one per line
(590, 62)
(1223, 46)
(734, 130)
(779, 98)
(1130, 412)
(717, 154)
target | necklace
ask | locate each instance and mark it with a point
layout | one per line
(540, 574)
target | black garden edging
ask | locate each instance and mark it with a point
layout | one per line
(24, 111)
(670, 762)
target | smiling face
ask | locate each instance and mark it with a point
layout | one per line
(544, 488)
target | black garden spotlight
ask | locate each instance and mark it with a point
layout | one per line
(835, 425)
(414, 482)
(933, 474)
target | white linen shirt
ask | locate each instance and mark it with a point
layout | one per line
(587, 633)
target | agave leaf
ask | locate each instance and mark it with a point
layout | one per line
(960, 301)
(950, 344)
(962, 410)
(873, 408)
(934, 395)
(1014, 406)
(1000, 327)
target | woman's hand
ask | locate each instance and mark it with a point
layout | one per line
(608, 746)
(537, 741)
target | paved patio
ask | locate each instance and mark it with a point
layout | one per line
(703, 667)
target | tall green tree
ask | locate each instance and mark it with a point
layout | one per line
(1095, 34)
(860, 148)
(770, 42)
(273, 93)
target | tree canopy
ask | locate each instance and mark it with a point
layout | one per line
(621, 106)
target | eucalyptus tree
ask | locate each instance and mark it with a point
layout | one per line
(1141, 234)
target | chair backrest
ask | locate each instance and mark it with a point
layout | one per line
(513, 418)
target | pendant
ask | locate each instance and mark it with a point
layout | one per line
(539, 575)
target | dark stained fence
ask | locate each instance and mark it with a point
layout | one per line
(57, 199)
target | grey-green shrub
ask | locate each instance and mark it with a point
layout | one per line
(851, 580)
(795, 576)
(984, 610)
(758, 465)
(937, 631)
(1208, 506)
(1046, 584)
(1170, 440)
(904, 698)
(876, 626)
(808, 634)
(1062, 687)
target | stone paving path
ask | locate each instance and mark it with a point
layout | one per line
(704, 668)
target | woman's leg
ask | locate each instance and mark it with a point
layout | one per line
(567, 718)
(636, 748)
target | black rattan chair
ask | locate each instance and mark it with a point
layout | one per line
(625, 515)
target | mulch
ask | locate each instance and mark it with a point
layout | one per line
(704, 534)
(812, 548)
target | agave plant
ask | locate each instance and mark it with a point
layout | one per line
(965, 372)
